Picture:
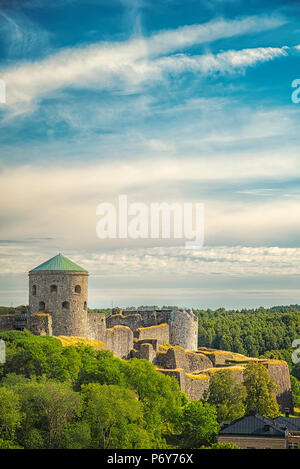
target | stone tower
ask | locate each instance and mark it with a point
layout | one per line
(184, 329)
(60, 287)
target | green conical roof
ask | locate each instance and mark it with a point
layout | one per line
(59, 262)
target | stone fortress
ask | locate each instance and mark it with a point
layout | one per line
(58, 306)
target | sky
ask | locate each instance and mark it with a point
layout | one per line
(164, 101)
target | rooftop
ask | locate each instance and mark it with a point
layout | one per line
(59, 262)
(253, 424)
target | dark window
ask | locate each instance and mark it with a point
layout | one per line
(78, 289)
(34, 290)
(41, 306)
(85, 305)
(65, 304)
(53, 288)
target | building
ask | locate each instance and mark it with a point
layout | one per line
(254, 431)
(60, 288)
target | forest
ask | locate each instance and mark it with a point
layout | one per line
(251, 332)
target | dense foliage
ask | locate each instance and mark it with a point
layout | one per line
(76, 397)
(250, 332)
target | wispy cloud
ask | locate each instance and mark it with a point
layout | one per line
(222, 62)
(107, 65)
(21, 36)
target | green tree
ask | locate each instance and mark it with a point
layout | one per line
(221, 446)
(200, 425)
(160, 394)
(260, 390)
(10, 413)
(227, 395)
(114, 415)
(49, 407)
(295, 384)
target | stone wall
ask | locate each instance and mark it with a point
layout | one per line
(96, 326)
(7, 321)
(160, 332)
(133, 321)
(40, 324)
(280, 373)
(146, 351)
(254, 442)
(137, 343)
(195, 386)
(183, 324)
(179, 358)
(119, 340)
(179, 375)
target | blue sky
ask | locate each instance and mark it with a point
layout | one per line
(174, 100)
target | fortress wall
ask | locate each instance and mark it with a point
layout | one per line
(40, 324)
(149, 318)
(184, 329)
(146, 351)
(160, 332)
(179, 358)
(197, 362)
(133, 321)
(137, 343)
(171, 359)
(280, 373)
(178, 374)
(7, 321)
(220, 357)
(196, 386)
(96, 326)
(119, 340)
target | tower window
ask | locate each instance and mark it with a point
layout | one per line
(53, 288)
(77, 289)
(85, 305)
(42, 306)
(65, 305)
(33, 290)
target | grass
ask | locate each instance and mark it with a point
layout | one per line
(40, 315)
(67, 341)
(168, 347)
(199, 377)
(152, 327)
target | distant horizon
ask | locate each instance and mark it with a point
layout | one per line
(179, 307)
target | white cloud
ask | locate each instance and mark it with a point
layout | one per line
(227, 61)
(175, 262)
(105, 65)
(60, 202)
